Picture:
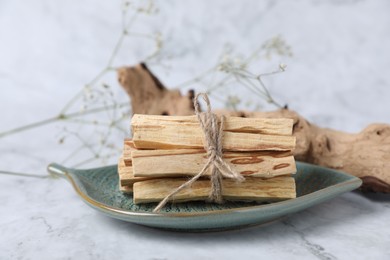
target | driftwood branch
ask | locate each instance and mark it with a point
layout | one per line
(365, 155)
(149, 96)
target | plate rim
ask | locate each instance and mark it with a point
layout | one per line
(353, 181)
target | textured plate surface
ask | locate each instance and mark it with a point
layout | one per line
(99, 189)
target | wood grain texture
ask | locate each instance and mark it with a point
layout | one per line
(128, 146)
(126, 176)
(189, 162)
(267, 126)
(252, 189)
(184, 137)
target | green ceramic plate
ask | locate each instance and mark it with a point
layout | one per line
(99, 189)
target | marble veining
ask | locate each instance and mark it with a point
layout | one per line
(315, 249)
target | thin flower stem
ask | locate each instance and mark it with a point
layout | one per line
(80, 93)
(105, 137)
(108, 67)
(72, 101)
(91, 159)
(29, 126)
(88, 122)
(250, 88)
(60, 118)
(253, 55)
(196, 79)
(25, 174)
(85, 143)
(221, 83)
(217, 97)
(270, 99)
(73, 153)
(116, 49)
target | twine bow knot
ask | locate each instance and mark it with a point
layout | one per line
(213, 133)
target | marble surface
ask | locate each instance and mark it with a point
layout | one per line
(338, 77)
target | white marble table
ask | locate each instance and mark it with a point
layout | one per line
(338, 77)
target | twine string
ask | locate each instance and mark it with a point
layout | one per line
(213, 145)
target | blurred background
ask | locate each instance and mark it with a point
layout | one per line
(59, 59)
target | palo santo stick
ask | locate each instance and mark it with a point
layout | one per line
(187, 136)
(267, 126)
(189, 162)
(128, 146)
(126, 188)
(278, 188)
(126, 176)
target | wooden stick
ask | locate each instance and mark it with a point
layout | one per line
(128, 146)
(266, 126)
(188, 162)
(251, 189)
(179, 137)
(126, 176)
(126, 188)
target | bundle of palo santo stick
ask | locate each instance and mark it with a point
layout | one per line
(166, 150)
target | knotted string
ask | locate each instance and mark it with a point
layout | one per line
(213, 145)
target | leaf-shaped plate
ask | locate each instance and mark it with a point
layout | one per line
(99, 189)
